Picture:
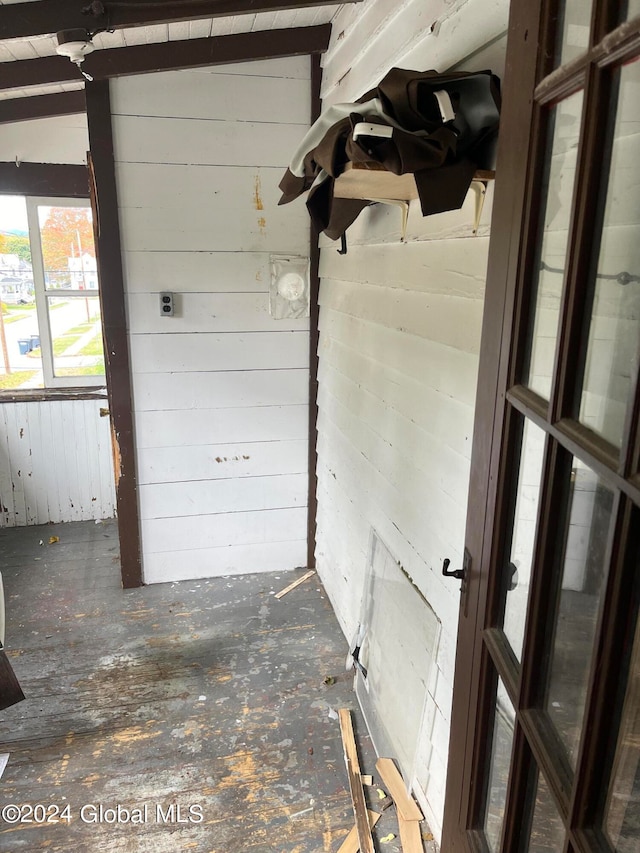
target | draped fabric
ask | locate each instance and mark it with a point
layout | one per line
(442, 155)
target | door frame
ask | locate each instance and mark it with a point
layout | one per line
(506, 227)
(517, 206)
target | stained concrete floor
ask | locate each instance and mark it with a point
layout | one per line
(203, 694)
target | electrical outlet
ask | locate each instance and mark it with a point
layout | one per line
(166, 304)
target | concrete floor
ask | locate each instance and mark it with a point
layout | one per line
(202, 694)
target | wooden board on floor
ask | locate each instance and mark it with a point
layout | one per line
(407, 807)
(293, 585)
(410, 836)
(365, 840)
(351, 843)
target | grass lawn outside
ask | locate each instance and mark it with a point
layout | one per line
(9, 381)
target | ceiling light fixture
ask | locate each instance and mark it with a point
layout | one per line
(76, 45)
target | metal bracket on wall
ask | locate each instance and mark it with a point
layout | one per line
(480, 190)
(404, 209)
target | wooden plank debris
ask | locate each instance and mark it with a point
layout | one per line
(351, 843)
(365, 841)
(410, 836)
(295, 584)
(407, 807)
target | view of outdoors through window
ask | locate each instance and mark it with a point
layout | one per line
(50, 325)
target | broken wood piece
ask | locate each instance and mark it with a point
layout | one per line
(295, 584)
(410, 837)
(351, 844)
(365, 841)
(407, 807)
(367, 780)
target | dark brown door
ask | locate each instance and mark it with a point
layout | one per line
(545, 745)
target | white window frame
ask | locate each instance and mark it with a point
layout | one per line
(42, 293)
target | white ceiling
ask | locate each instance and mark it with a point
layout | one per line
(12, 50)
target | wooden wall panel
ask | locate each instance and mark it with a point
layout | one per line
(55, 463)
(63, 139)
(220, 389)
(400, 330)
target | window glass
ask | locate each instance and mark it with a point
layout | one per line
(557, 197)
(614, 327)
(583, 584)
(500, 765)
(50, 322)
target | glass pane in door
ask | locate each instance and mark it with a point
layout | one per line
(76, 335)
(630, 9)
(622, 819)
(557, 195)
(500, 763)
(518, 570)
(547, 829)
(574, 27)
(614, 333)
(583, 582)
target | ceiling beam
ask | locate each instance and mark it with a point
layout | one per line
(42, 106)
(169, 55)
(22, 20)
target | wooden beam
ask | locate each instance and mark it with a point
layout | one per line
(10, 690)
(365, 841)
(295, 584)
(167, 56)
(44, 179)
(351, 843)
(104, 203)
(314, 337)
(407, 807)
(42, 106)
(22, 20)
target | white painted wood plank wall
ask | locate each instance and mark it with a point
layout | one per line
(399, 343)
(221, 389)
(63, 139)
(56, 463)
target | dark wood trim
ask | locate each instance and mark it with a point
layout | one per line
(44, 179)
(507, 220)
(579, 440)
(44, 395)
(314, 336)
(167, 56)
(504, 661)
(42, 106)
(520, 803)
(10, 690)
(621, 43)
(546, 746)
(21, 20)
(116, 349)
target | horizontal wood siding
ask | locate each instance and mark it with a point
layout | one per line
(400, 330)
(55, 463)
(220, 389)
(63, 139)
